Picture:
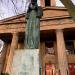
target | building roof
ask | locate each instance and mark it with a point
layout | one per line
(56, 13)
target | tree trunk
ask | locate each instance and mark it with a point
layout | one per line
(70, 7)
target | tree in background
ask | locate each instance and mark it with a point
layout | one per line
(12, 7)
(20, 6)
(70, 7)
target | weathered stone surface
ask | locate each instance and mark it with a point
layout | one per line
(25, 62)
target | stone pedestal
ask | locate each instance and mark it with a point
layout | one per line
(26, 62)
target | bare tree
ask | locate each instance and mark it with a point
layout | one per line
(70, 7)
(20, 6)
(13, 7)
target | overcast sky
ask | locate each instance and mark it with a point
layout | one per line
(7, 7)
(58, 3)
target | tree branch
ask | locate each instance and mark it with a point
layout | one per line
(70, 7)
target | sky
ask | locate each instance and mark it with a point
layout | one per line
(58, 3)
(7, 7)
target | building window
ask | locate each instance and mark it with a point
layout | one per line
(70, 47)
(47, 3)
(49, 48)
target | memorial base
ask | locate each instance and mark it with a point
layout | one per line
(25, 62)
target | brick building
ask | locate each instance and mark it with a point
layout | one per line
(57, 40)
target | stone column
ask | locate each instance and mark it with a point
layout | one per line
(14, 45)
(56, 61)
(53, 2)
(42, 3)
(61, 52)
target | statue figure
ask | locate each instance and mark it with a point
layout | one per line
(32, 34)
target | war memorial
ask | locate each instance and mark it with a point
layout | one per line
(39, 42)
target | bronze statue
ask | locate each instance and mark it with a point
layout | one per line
(32, 34)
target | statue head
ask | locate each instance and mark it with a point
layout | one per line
(33, 2)
(33, 5)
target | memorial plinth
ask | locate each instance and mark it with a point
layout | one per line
(25, 62)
